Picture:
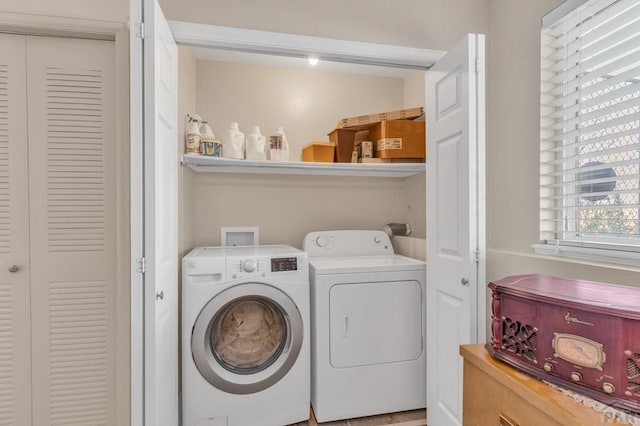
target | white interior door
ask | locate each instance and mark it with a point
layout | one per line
(455, 223)
(73, 229)
(160, 220)
(15, 325)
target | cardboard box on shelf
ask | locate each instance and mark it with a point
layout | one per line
(364, 121)
(399, 139)
(343, 138)
(318, 152)
(390, 160)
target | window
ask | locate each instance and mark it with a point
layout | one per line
(590, 128)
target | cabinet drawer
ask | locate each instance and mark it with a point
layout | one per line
(487, 402)
(496, 394)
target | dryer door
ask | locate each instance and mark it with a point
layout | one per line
(247, 338)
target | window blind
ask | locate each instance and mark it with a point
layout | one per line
(590, 125)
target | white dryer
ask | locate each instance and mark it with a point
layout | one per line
(367, 326)
(245, 336)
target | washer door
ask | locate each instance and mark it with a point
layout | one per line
(247, 338)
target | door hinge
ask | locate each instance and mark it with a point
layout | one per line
(142, 266)
(476, 256)
(140, 30)
(479, 64)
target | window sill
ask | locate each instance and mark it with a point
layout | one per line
(593, 254)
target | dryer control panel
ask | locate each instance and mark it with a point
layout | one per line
(347, 243)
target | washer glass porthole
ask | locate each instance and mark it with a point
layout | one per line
(248, 335)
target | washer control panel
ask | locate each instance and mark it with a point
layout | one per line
(282, 264)
(262, 266)
(250, 265)
(279, 262)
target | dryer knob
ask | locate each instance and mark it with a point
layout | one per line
(249, 265)
(322, 241)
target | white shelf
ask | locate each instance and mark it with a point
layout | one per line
(227, 165)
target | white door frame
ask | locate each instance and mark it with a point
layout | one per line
(118, 32)
(293, 45)
(210, 36)
(136, 93)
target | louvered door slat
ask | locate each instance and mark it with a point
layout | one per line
(15, 351)
(72, 168)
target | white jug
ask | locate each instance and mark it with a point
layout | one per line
(278, 146)
(256, 145)
(233, 142)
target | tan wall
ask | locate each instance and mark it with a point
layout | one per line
(186, 103)
(110, 10)
(307, 102)
(414, 88)
(285, 208)
(319, 203)
(417, 23)
(416, 188)
(513, 149)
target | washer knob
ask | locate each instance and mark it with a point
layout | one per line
(249, 265)
(322, 241)
(608, 387)
(576, 377)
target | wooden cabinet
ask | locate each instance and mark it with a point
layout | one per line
(497, 394)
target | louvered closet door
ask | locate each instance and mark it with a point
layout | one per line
(73, 230)
(15, 339)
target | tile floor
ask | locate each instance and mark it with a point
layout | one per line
(404, 418)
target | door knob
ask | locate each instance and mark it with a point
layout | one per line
(160, 295)
(464, 281)
(14, 268)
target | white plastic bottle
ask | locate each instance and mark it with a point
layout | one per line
(192, 134)
(205, 130)
(233, 142)
(279, 146)
(255, 148)
(209, 145)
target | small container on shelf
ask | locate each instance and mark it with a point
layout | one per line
(209, 145)
(344, 140)
(192, 134)
(211, 148)
(256, 145)
(233, 142)
(318, 152)
(278, 146)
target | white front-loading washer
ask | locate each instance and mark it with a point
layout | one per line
(367, 326)
(245, 336)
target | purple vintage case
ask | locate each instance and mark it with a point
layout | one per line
(580, 335)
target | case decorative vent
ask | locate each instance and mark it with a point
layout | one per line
(633, 374)
(519, 338)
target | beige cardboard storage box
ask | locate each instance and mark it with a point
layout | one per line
(399, 139)
(366, 120)
(318, 152)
